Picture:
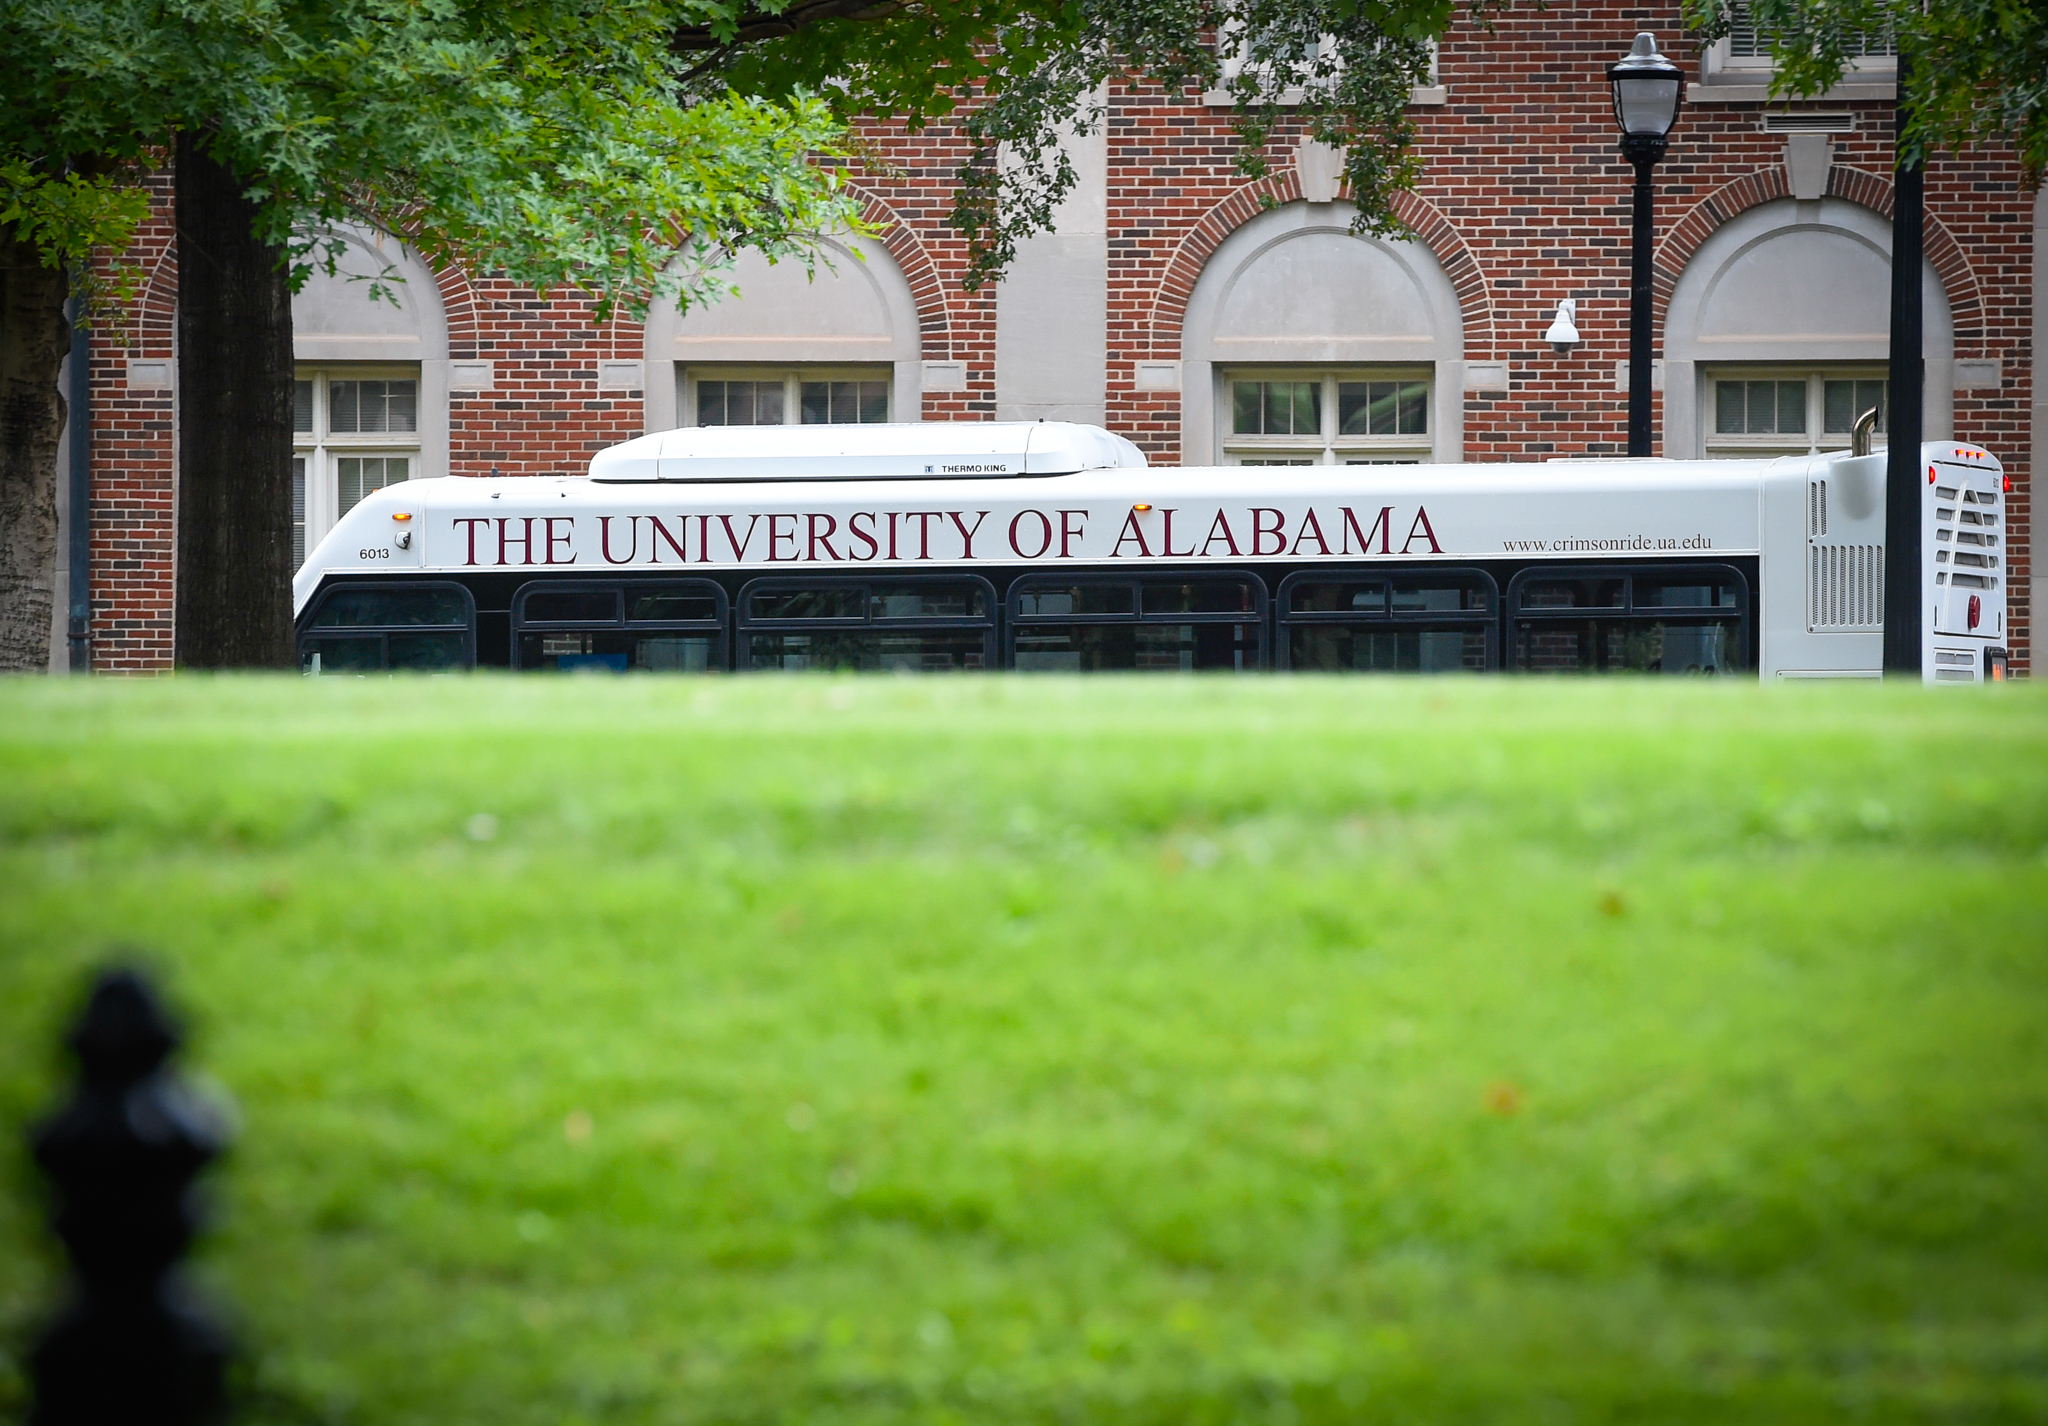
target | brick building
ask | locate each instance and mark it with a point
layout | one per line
(1209, 318)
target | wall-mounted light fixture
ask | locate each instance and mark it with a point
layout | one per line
(1564, 332)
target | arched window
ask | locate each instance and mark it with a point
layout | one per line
(1305, 344)
(840, 346)
(1778, 335)
(372, 397)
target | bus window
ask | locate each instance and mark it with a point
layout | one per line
(1148, 624)
(1202, 596)
(1595, 592)
(950, 600)
(1687, 620)
(572, 606)
(1333, 596)
(1051, 600)
(1433, 622)
(366, 628)
(670, 626)
(908, 625)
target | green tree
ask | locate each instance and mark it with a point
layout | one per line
(1975, 71)
(550, 141)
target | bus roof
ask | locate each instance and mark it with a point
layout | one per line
(936, 450)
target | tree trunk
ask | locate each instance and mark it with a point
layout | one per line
(234, 427)
(34, 338)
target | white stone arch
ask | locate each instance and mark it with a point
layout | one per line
(1799, 282)
(1294, 286)
(856, 307)
(335, 318)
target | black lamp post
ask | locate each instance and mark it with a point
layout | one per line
(1647, 88)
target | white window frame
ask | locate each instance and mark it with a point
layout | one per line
(1719, 63)
(792, 378)
(1816, 440)
(321, 447)
(1331, 448)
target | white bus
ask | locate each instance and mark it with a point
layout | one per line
(1053, 546)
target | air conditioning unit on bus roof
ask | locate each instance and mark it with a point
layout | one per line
(934, 450)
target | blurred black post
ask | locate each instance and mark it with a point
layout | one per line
(1902, 613)
(132, 1346)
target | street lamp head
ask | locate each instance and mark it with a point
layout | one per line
(1647, 88)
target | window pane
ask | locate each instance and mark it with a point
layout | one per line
(344, 406)
(711, 403)
(1763, 407)
(1279, 417)
(1353, 403)
(1350, 648)
(871, 650)
(1728, 408)
(1077, 599)
(360, 608)
(621, 652)
(302, 406)
(357, 655)
(1686, 593)
(1245, 408)
(843, 403)
(1385, 395)
(928, 601)
(1276, 460)
(1571, 594)
(814, 403)
(1336, 595)
(1211, 596)
(739, 403)
(1792, 407)
(835, 601)
(1279, 408)
(1159, 648)
(562, 606)
(1414, 409)
(1628, 646)
(426, 652)
(1414, 596)
(650, 605)
(1308, 408)
(372, 407)
(1843, 401)
(358, 476)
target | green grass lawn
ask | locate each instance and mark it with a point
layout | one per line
(994, 1050)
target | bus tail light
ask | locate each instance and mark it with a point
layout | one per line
(1976, 611)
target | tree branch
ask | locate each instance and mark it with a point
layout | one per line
(757, 26)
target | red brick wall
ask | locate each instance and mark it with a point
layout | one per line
(134, 500)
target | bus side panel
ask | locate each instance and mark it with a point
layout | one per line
(1820, 595)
